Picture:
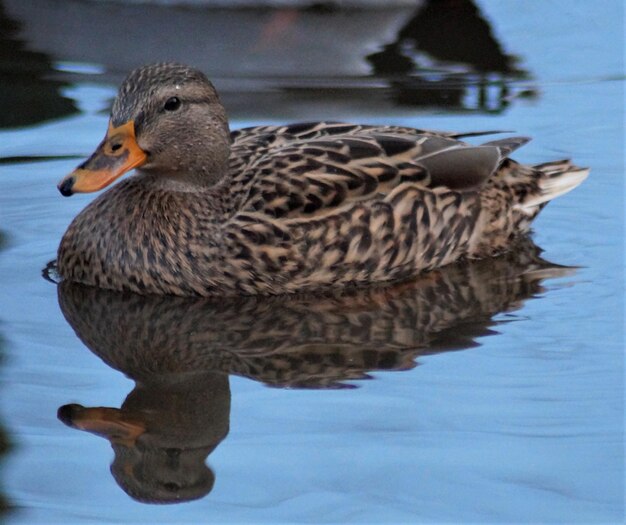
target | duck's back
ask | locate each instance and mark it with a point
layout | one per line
(309, 169)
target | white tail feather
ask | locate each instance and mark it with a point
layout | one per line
(554, 185)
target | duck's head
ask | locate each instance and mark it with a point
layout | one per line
(167, 119)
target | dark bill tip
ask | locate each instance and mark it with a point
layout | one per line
(66, 185)
(66, 413)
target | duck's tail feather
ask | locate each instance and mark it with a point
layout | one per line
(557, 178)
(508, 145)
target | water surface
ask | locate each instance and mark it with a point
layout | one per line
(314, 410)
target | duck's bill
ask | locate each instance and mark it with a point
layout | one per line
(107, 422)
(116, 154)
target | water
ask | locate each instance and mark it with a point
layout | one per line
(524, 423)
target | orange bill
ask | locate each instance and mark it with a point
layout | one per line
(110, 423)
(116, 154)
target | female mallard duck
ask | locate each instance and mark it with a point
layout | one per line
(281, 209)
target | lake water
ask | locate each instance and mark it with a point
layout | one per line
(314, 411)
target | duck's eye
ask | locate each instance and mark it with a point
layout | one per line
(172, 104)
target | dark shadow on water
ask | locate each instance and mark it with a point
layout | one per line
(315, 61)
(5, 444)
(443, 54)
(180, 351)
(26, 84)
(452, 31)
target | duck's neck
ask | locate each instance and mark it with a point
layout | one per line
(186, 176)
(200, 162)
(174, 182)
(215, 199)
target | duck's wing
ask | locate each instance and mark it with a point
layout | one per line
(311, 169)
(248, 144)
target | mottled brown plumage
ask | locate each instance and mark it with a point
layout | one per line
(305, 340)
(283, 209)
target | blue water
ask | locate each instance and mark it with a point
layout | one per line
(523, 425)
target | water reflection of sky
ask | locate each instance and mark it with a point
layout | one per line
(528, 426)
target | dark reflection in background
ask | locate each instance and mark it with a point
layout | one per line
(451, 33)
(5, 506)
(4, 440)
(312, 62)
(180, 351)
(27, 87)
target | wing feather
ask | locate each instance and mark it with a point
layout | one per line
(311, 169)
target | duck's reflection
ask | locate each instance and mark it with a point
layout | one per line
(162, 434)
(179, 351)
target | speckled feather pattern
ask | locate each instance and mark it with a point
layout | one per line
(307, 207)
(300, 340)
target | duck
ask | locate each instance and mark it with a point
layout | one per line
(285, 209)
